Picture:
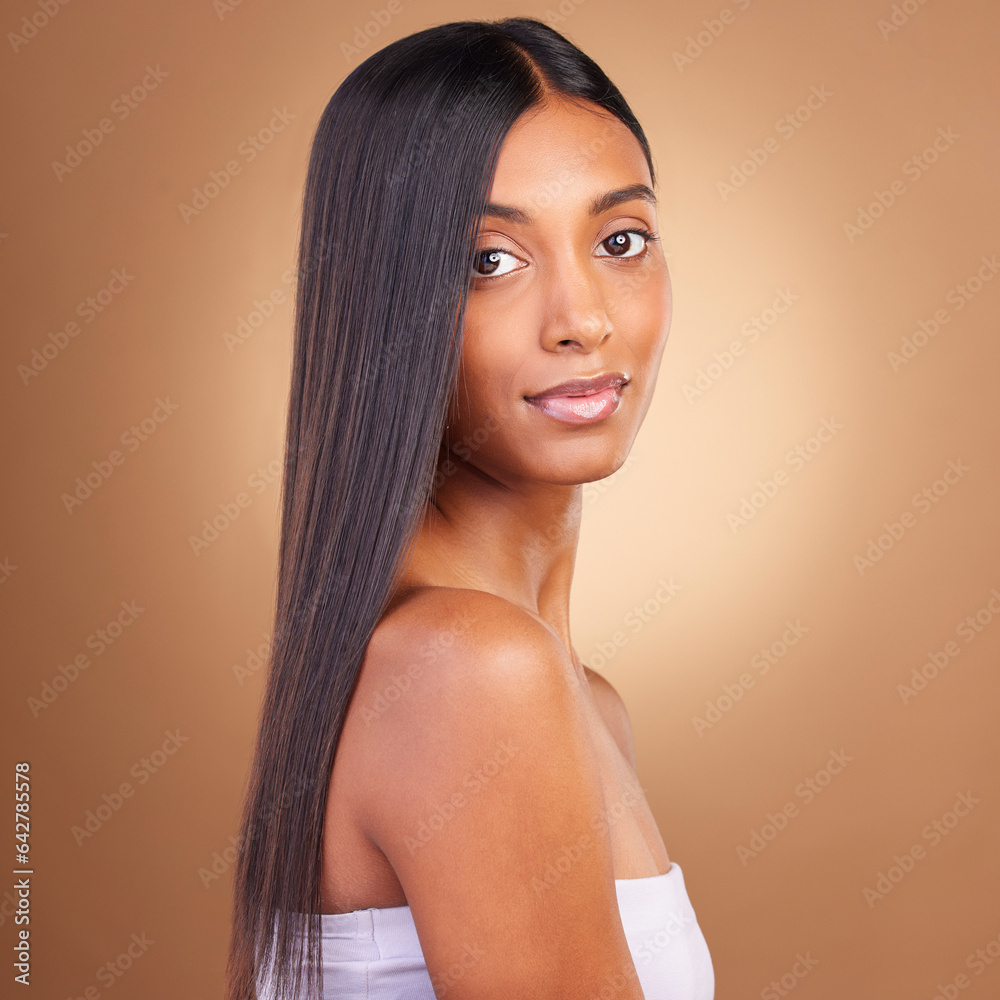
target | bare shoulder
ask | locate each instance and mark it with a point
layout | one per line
(614, 712)
(489, 803)
(443, 665)
(453, 612)
(452, 637)
(445, 660)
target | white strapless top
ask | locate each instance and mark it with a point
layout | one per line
(375, 954)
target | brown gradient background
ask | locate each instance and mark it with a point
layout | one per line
(664, 516)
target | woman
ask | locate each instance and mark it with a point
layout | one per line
(440, 787)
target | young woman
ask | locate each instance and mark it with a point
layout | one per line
(443, 798)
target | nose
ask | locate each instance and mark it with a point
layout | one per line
(575, 317)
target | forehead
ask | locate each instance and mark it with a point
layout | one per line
(566, 150)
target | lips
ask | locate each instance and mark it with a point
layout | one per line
(581, 400)
(582, 386)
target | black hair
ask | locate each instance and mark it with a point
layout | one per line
(398, 178)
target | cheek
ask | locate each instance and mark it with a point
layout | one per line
(642, 317)
(493, 363)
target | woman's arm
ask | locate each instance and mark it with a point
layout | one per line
(487, 802)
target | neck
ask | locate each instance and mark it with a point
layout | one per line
(512, 537)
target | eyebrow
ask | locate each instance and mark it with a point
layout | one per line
(603, 203)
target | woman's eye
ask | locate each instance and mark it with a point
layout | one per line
(490, 263)
(628, 243)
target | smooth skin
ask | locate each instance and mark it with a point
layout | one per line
(485, 776)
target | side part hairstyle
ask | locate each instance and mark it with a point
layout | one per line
(398, 178)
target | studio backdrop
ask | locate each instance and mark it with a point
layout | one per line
(793, 581)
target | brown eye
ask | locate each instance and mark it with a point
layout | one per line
(487, 261)
(620, 244)
(490, 263)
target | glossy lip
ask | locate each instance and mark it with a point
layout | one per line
(581, 400)
(585, 386)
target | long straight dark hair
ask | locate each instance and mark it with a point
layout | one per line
(398, 179)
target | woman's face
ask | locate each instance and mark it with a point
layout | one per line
(564, 286)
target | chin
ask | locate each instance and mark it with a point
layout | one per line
(587, 463)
